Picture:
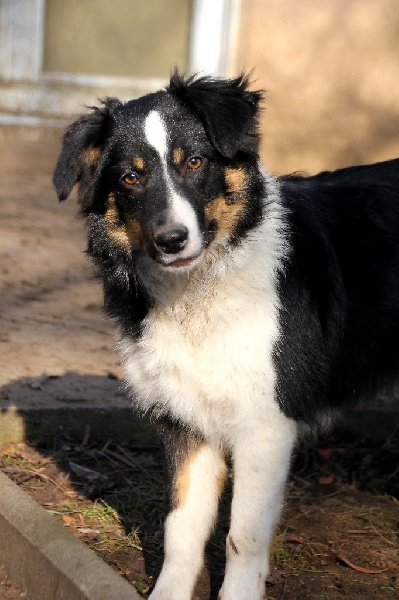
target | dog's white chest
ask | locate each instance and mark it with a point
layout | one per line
(209, 363)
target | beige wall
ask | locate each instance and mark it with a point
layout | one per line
(331, 71)
(132, 38)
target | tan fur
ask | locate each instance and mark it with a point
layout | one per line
(226, 210)
(236, 180)
(138, 163)
(183, 478)
(182, 482)
(225, 213)
(125, 236)
(91, 156)
(178, 156)
(221, 481)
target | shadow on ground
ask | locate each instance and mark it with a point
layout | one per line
(342, 497)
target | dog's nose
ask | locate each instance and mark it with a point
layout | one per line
(171, 239)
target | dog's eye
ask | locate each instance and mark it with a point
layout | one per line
(194, 163)
(130, 178)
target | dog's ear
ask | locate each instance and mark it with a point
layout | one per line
(227, 108)
(81, 150)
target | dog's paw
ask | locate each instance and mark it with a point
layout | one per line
(170, 590)
(243, 586)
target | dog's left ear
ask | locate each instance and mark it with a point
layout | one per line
(226, 106)
(82, 150)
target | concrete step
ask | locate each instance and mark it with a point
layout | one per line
(46, 559)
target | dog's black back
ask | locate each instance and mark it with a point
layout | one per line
(340, 291)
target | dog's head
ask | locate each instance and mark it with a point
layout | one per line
(169, 174)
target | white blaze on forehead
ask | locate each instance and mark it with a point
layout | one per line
(180, 209)
(155, 133)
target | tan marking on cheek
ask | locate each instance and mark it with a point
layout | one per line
(236, 180)
(134, 233)
(224, 210)
(126, 236)
(225, 213)
(111, 215)
(178, 156)
(138, 163)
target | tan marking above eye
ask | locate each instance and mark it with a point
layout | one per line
(178, 156)
(194, 163)
(138, 163)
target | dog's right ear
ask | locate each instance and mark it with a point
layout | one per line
(228, 109)
(82, 149)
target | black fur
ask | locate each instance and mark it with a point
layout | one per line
(89, 130)
(228, 109)
(340, 290)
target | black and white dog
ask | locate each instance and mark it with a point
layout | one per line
(248, 306)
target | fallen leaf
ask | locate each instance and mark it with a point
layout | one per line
(364, 570)
(87, 530)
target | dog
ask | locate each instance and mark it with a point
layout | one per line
(249, 307)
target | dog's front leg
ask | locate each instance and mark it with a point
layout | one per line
(196, 475)
(261, 459)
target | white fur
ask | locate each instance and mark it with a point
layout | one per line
(180, 210)
(261, 460)
(205, 357)
(187, 528)
(156, 134)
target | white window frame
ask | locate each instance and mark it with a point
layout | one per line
(213, 36)
(21, 39)
(26, 88)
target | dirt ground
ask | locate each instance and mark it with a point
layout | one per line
(338, 535)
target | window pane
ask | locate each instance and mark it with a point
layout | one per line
(132, 38)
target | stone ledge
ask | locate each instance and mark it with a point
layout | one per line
(46, 559)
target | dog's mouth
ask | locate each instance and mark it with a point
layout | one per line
(184, 262)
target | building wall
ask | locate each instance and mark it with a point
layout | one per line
(118, 38)
(331, 71)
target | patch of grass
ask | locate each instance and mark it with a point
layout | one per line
(108, 536)
(109, 544)
(13, 460)
(291, 556)
(142, 585)
(99, 511)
